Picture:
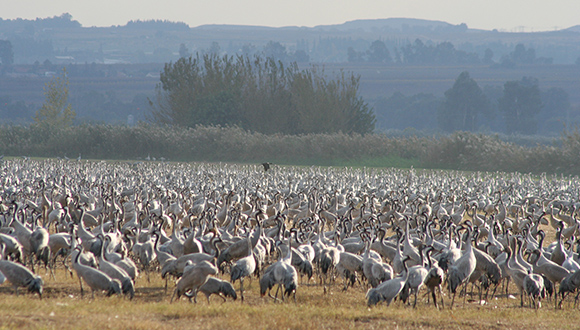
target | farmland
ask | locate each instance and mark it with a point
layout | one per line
(63, 308)
(131, 192)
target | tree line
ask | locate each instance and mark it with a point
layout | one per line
(444, 53)
(516, 108)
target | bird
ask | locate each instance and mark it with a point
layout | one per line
(388, 290)
(218, 287)
(60, 244)
(13, 248)
(553, 272)
(176, 266)
(434, 278)
(267, 282)
(94, 278)
(39, 242)
(20, 276)
(266, 166)
(282, 273)
(194, 276)
(415, 278)
(569, 284)
(534, 288)
(349, 264)
(461, 270)
(328, 259)
(559, 253)
(116, 272)
(244, 267)
(145, 251)
(239, 249)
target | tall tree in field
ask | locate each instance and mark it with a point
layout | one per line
(6, 54)
(259, 94)
(56, 111)
(462, 105)
(378, 53)
(520, 103)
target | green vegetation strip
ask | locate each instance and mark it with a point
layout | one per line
(459, 151)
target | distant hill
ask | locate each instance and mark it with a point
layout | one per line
(157, 41)
(575, 28)
(386, 24)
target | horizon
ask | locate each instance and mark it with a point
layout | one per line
(538, 16)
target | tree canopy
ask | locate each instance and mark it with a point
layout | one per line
(56, 112)
(259, 94)
(462, 105)
(520, 103)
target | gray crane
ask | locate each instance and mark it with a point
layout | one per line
(462, 269)
(388, 290)
(219, 287)
(244, 267)
(20, 276)
(95, 279)
(194, 276)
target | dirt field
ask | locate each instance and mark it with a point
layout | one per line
(63, 308)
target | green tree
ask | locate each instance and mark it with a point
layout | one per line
(56, 111)
(259, 94)
(462, 105)
(520, 103)
(378, 53)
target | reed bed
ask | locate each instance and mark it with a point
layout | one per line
(458, 151)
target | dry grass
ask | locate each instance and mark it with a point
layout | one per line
(63, 308)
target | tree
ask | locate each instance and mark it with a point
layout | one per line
(353, 56)
(400, 112)
(523, 55)
(6, 54)
(520, 102)
(556, 111)
(301, 56)
(275, 50)
(214, 48)
(488, 56)
(463, 103)
(56, 111)
(259, 94)
(183, 51)
(378, 53)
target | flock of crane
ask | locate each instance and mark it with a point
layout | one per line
(392, 232)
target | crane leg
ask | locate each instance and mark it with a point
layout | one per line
(242, 288)
(465, 292)
(434, 298)
(441, 296)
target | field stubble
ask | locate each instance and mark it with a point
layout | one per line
(62, 307)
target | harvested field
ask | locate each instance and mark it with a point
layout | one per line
(371, 194)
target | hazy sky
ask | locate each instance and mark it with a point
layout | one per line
(510, 15)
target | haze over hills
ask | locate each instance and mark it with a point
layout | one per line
(113, 70)
(159, 41)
